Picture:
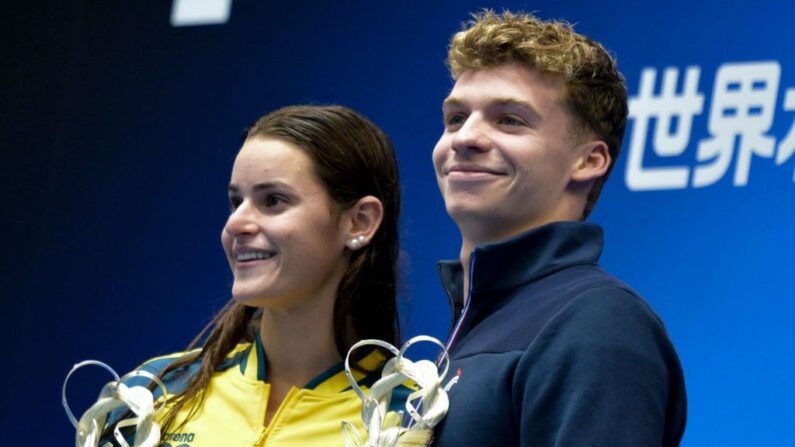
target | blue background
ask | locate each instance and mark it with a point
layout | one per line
(119, 130)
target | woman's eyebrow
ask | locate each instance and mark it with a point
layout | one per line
(264, 186)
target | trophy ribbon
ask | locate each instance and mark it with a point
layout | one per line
(426, 406)
(115, 395)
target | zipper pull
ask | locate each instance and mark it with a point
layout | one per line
(263, 435)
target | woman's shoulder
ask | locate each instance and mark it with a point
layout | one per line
(185, 365)
(156, 365)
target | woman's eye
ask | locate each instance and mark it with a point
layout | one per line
(274, 200)
(234, 202)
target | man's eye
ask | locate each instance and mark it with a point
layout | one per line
(234, 202)
(454, 119)
(510, 121)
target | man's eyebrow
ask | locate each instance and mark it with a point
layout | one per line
(508, 101)
(452, 101)
(516, 102)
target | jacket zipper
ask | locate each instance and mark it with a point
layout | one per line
(450, 299)
(467, 302)
(262, 440)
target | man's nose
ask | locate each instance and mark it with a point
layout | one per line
(472, 136)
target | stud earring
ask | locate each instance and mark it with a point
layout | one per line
(357, 242)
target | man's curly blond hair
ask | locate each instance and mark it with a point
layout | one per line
(595, 92)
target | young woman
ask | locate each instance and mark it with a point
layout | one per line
(312, 241)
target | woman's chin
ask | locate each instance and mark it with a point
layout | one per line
(248, 297)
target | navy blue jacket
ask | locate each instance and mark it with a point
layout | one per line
(553, 351)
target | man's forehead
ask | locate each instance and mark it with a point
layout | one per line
(512, 83)
(454, 101)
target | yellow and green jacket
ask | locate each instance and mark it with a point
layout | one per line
(233, 411)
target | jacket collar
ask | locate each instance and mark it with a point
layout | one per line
(252, 363)
(520, 259)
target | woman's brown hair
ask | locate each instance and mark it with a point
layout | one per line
(352, 158)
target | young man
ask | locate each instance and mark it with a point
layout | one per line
(549, 349)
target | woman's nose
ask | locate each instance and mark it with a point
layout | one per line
(241, 221)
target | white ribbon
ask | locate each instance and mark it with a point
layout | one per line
(115, 395)
(426, 406)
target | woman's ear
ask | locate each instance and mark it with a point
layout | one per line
(592, 163)
(361, 221)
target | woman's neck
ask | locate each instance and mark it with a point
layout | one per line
(299, 344)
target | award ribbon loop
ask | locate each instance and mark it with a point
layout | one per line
(115, 395)
(426, 406)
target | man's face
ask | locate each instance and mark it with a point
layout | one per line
(507, 152)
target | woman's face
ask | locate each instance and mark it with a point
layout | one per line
(285, 247)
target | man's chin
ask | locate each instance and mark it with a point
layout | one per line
(473, 219)
(462, 213)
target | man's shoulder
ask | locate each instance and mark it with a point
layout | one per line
(604, 324)
(576, 279)
(546, 296)
(612, 303)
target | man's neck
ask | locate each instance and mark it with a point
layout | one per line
(464, 256)
(470, 242)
